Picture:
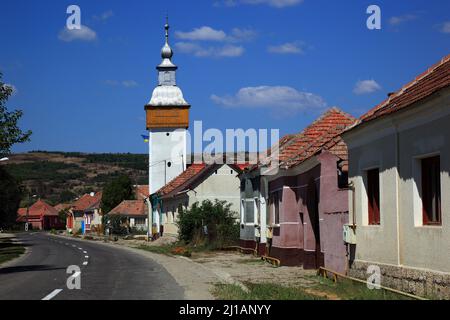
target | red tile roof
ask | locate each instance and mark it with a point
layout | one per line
(191, 172)
(87, 202)
(142, 191)
(130, 208)
(322, 134)
(39, 209)
(434, 79)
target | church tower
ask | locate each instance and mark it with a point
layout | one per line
(167, 121)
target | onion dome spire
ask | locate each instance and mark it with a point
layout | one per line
(166, 51)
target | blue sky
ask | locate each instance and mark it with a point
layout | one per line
(242, 63)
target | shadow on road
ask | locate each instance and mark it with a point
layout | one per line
(16, 269)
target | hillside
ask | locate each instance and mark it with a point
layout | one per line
(59, 176)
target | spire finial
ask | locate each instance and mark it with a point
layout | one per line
(166, 27)
(167, 52)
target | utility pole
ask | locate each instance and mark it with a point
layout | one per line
(28, 209)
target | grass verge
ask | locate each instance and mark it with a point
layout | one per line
(9, 250)
(324, 289)
(178, 248)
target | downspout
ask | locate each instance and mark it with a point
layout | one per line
(351, 186)
(149, 218)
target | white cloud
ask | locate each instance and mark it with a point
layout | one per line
(445, 28)
(207, 33)
(83, 34)
(279, 98)
(229, 51)
(366, 87)
(238, 35)
(288, 48)
(272, 3)
(104, 16)
(209, 51)
(124, 83)
(202, 34)
(397, 20)
(129, 83)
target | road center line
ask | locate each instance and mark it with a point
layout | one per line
(52, 294)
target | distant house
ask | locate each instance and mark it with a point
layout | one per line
(296, 214)
(400, 167)
(134, 211)
(198, 183)
(41, 216)
(85, 213)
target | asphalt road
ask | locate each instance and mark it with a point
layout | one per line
(105, 273)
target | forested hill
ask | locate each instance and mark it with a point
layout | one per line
(60, 176)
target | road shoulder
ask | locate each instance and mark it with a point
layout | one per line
(13, 253)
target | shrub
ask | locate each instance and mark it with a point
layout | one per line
(211, 223)
(117, 225)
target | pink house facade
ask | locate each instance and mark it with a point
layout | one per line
(300, 211)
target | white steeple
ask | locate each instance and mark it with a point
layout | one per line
(167, 93)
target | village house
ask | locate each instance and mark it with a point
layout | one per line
(297, 213)
(41, 216)
(198, 183)
(85, 213)
(399, 166)
(135, 213)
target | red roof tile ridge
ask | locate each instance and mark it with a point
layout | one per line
(184, 177)
(328, 134)
(404, 88)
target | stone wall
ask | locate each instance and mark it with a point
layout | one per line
(423, 283)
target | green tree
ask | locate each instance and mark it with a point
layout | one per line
(62, 215)
(10, 133)
(10, 195)
(119, 189)
(66, 196)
